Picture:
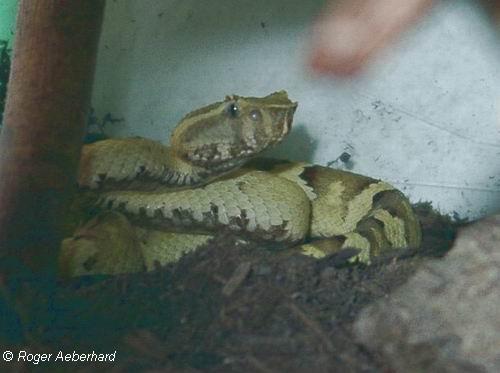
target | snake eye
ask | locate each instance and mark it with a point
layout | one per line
(255, 115)
(233, 110)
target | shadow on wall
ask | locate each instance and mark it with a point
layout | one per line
(297, 146)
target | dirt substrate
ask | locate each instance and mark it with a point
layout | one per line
(224, 309)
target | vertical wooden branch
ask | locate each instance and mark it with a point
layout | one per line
(44, 122)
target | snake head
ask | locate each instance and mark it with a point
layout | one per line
(226, 134)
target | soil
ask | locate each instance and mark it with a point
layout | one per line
(221, 309)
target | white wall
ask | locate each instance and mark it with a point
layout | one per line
(425, 117)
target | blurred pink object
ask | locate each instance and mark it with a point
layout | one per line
(351, 32)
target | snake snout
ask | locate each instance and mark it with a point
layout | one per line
(288, 119)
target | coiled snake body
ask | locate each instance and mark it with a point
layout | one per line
(155, 203)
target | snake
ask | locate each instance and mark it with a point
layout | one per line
(151, 204)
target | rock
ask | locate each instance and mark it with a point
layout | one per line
(446, 318)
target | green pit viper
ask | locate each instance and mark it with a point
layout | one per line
(154, 203)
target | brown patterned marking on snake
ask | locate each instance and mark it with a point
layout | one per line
(356, 208)
(398, 205)
(320, 178)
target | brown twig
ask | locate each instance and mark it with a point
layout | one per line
(239, 275)
(313, 326)
(258, 365)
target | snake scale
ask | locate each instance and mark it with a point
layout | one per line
(152, 203)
